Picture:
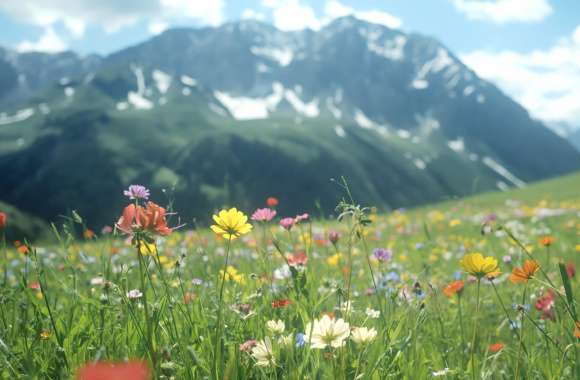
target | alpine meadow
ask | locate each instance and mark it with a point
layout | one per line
(291, 190)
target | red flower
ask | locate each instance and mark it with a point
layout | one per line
(571, 269)
(545, 305)
(151, 219)
(34, 285)
(496, 347)
(297, 259)
(135, 370)
(3, 218)
(272, 202)
(280, 303)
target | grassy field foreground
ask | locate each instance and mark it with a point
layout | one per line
(369, 296)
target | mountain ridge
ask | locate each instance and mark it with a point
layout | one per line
(398, 114)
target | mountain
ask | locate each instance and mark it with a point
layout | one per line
(233, 114)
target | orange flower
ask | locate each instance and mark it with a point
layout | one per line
(151, 219)
(456, 287)
(523, 274)
(577, 330)
(496, 347)
(88, 234)
(135, 370)
(547, 241)
(272, 202)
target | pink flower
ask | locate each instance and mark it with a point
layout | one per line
(333, 236)
(287, 223)
(303, 217)
(263, 215)
(248, 345)
(298, 259)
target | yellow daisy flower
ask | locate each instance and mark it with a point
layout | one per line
(477, 265)
(231, 224)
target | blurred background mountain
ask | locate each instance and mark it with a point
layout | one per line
(230, 115)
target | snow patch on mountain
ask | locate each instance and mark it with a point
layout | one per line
(162, 81)
(456, 145)
(188, 81)
(496, 167)
(363, 121)
(283, 56)
(137, 99)
(20, 115)
(339, 130)
(391, 49)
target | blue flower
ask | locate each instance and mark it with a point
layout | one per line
(300, 339)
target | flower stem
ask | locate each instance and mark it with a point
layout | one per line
(521, 336)
(218, 334)
(474, 337)
(148, 322)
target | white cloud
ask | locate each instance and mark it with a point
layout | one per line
(157, 27)
(292, 15)
(248, 14)
(49, 42)
(111, 15)
(502, 11)
(546, 82)
(334, 9)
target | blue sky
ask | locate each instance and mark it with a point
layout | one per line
(530, 48)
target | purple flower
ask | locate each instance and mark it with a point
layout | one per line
(137, 192)
(382, 254)
(263, 215)
(287, 223)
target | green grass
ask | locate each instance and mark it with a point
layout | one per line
(65, 305)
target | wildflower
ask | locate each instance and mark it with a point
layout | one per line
(362, 335)
(346, 307)
(507, 259)
(272, 202)
(280, 303)
(382, 254)
(327, 332)
(372, 313)
(231, 224)
(134, 294)
(545, 304)
(478, 266)
(298, 259)
(147, 248)
(44, 335)
(137, 192)
(88, 234)
(263, 353)
(23, 249)
(301, 218)
(547, 241)
(263, 215)
(151, 219)
(107, 230)
(577, 330)
(232, 275)
(300, 340)
(282, 273)
(333, 260)
(526, 272)
(3, 219)
(496, 347)
(134, 370)
(287, 223)
(276, 327)
(248, 345)
(456, 287)
(333, 236)
(571, 269)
